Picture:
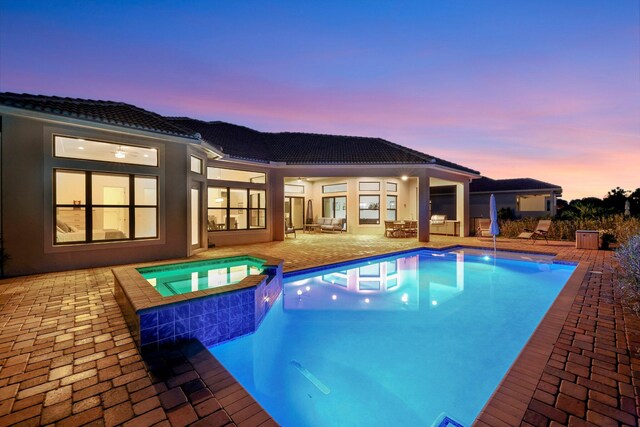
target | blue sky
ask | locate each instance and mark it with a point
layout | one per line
(541, 89)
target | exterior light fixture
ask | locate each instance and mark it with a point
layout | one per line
(120, 154)
(299, 179)
(81, 148)
(404, 177)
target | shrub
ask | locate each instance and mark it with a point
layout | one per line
(616, 227)
(628, 256)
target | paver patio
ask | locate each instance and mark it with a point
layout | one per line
(67, 357)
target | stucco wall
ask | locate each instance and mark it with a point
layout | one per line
(27, 169)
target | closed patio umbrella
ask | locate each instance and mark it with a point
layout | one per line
(627, 208)
(493, 212)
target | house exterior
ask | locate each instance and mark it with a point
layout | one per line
(90, 183)
(526, 197)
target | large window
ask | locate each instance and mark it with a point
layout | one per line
(236, 175)
(97, 206)
(85, 149)
(236, 209)
(392, 208)
(370, 209)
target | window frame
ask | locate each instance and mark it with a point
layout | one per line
(289, 187)
(249, 209)
(337, 191)
(89, 206)
(102, 141)
(368, 189)
(387, 209)
(251, 180)
(200, 162)
(360, 210)
(393, 184)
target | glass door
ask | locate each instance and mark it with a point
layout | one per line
(294, 212)
(335, 207)
(195, 218)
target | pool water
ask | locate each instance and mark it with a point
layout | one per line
(174, 279)
(404, 340)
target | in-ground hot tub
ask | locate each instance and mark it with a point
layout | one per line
(212, 300)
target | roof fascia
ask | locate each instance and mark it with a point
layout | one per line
(90, 124)
(537, 190)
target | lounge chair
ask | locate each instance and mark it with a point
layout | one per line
(484, 228)
(542, 230)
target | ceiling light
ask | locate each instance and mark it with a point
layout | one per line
(80, 148)
(219, 200)
(404, 177)
(299, 179)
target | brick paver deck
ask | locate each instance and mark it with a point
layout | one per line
(67, 358)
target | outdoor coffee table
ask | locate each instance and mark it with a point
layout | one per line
(311, 228)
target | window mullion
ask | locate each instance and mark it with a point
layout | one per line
(132, 208)
(89, 207)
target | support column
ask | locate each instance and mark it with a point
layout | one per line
(462, 207)
(276, 186)
(423, 206)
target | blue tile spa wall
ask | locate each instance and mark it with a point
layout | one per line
(210, 319)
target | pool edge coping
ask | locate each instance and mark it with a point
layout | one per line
(509, 401)
(143, 297)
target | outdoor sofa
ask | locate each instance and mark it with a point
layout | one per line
(330, 224)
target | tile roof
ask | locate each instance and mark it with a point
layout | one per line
(236, 141)
(108, 112)
(485, 184)
(298, 148)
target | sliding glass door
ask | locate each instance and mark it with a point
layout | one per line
(294, 212)
(335, 207)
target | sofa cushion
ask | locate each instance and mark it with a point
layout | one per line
(438, 219)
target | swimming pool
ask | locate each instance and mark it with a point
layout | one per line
(182, 278)
(407, 339)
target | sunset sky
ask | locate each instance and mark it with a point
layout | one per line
(542, 89)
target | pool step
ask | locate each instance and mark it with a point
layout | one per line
(443, 420)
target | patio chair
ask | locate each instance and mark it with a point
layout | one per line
(288, 229)
(413, 228)
(408, 228)
(484, 228)
(541, 230)
(388, 229)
